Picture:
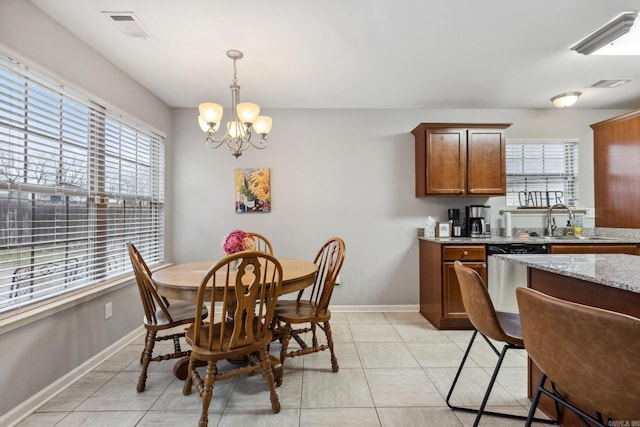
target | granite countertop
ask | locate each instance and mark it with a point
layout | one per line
(590, 240)
(615, 270)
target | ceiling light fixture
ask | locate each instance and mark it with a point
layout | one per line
(245, 116)
(566, 99)
(610, 39)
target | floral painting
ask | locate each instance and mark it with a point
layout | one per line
(253, 190)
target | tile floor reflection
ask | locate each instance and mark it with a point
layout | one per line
(395, 371)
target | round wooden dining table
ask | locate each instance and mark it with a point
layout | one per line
(181, 281)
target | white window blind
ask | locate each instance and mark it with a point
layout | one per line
(541, 173)
(77, 181)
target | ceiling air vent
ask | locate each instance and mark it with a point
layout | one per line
(610, 83)
(128, 23)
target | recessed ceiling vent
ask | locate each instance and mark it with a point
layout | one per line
(610, 83)
(128, 23)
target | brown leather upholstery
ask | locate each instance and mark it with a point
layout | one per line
(490, 324)
(312, 306)
(592, 355)
(479, 308)
(247, 304)
(159, 315)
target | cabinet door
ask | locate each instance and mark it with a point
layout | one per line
(446, 159)
(594, 249)
(486, 162)
(452, 298)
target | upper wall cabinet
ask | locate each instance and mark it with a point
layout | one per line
(460, 159)
(616, 151)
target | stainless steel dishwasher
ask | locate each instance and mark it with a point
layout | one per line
(504, 277)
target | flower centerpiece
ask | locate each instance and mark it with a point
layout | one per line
(237, 241)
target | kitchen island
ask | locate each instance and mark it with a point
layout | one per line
(609, 281)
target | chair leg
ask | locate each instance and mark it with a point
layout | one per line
(536, 399)
(267, 373)
(490, 386)
(481, 411)
(207, 393)
(188, 382)
(284, 341)
(145, 359)
(334, 361)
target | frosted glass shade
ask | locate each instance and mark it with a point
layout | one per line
(248, 112)
(262, 125)
(205, 127)
(210, 112)
(236, 129)
(565, 100)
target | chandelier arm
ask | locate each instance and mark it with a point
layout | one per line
(211, 139)
(261, 144)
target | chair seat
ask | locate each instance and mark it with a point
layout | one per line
(181, 313)
(201, 347)
(510, 323)
(301, 312)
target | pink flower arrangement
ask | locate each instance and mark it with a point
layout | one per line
(237, 241)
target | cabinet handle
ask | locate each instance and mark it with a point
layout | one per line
(465, 253)
(461, 191)
(472, 190)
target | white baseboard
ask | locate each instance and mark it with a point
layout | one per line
(26, 408)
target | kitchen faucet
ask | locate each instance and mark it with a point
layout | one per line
(551, 223)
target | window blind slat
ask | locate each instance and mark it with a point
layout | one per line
(60, 154)
(540, 173)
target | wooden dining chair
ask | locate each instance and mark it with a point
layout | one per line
(262, 243)
(311, 307)
(501, 326)
(250, 295)
(590, 355)
(159, 315)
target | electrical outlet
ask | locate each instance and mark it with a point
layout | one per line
(108, 310)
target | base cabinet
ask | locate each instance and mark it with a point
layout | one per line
(440, 297)
(594, 249)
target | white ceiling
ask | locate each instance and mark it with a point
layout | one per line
(361, 53)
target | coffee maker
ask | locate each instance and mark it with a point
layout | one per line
(475, 221)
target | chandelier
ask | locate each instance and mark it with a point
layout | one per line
(245, 117)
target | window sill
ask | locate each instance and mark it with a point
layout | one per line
(539, 211)
(17, 319)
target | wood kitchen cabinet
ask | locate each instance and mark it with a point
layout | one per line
(440, 297)
(460, 159)
(594, 249)
(616, 150)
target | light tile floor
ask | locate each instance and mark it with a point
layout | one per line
(395, 371)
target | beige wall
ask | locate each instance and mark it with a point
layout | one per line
(348, 173)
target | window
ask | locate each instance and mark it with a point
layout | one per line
(541, 173)
(77, 181)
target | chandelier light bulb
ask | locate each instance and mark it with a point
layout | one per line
(248, 112)
(210, 112)
(262, 125)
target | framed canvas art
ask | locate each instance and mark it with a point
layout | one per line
(253, 190)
